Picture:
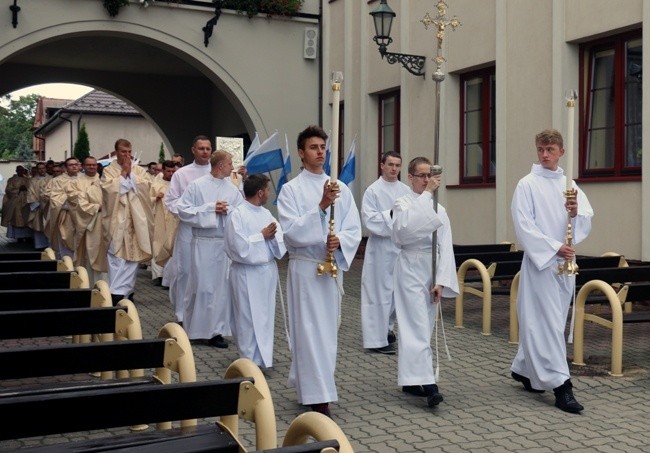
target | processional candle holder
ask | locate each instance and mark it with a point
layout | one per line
(329, 265)
(569, 267)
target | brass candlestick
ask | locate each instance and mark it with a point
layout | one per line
(569, 267)
(329, 266)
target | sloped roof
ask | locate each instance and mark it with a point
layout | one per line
(99, 102)
(94, 103)
(44, 106)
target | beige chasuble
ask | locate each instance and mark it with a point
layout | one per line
(85, 199)
(127, 219)
(59, 223)
(165, 224)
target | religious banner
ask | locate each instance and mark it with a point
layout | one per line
(234, 146)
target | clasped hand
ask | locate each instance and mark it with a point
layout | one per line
(269, 231)
(331, 192)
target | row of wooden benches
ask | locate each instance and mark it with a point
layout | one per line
(125, 396)
(493, 269)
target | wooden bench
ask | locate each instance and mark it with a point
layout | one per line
(43, 299)
(634, 284)
(47, 254)
(48, 279)
(494, 272)
(483, 248)
(143, 404)
(486, 269)
(63, 322)
(587, 270)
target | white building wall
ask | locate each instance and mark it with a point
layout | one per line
(534, 47)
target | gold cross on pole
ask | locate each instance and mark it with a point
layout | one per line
(440, 22)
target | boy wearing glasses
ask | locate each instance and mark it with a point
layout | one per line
(416, 294)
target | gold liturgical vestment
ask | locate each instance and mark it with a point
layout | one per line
(85, 200)
(127, 218)
(59, 223)
(36, 186)
(165, 224)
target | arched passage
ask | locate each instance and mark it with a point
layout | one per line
(158, 63)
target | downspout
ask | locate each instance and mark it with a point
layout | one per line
(71, 145)
(320, 63)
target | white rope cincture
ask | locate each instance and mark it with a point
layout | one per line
(438, 317)
(284, 312)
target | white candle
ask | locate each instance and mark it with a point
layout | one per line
(570, 96)
(337, 78)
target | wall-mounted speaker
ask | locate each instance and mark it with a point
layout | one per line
(310, 50)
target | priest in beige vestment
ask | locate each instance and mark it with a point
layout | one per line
(165, 223)
(59, 226)
(127, 220)
(85, 200)
(36, 220)
(14, 210)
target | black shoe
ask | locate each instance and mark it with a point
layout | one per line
(218, 342)
(180, 323)
(392, 338)
(524, 380)
(157, 281)
(433, 396)
(198, 341)
(388, 350)
(115, 298)
(416, 390)
(323, 408)
(564, 399)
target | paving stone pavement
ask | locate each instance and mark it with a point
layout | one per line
(484, 409)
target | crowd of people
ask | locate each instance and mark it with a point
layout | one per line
(207, 236)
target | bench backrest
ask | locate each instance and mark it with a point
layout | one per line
(28, 266)
(70, 321)
(125, 406)
(40, 361)
(489, 257)
(14, 256)
(594, 262)
(27, 280)
(614, 274)
(45, 299)
(481, 248)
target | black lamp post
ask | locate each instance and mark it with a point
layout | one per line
(383, 18)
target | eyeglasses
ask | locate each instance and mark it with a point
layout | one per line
(422, 175)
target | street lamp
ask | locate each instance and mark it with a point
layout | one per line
(383, 18)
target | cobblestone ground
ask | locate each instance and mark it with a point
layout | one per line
(484, 410)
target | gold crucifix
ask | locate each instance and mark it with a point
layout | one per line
(441, 23)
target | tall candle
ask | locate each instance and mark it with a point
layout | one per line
(570, 96)
(336, 79)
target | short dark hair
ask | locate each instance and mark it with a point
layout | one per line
(309, 132)
(169, 164)
(388, 154)
(253, 183)
(201, 137)
(69, 159)
(152, 163)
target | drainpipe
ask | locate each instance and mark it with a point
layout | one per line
(71, 144)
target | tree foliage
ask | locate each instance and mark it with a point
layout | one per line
(82, 145)
(16, 122)
(161, 154)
